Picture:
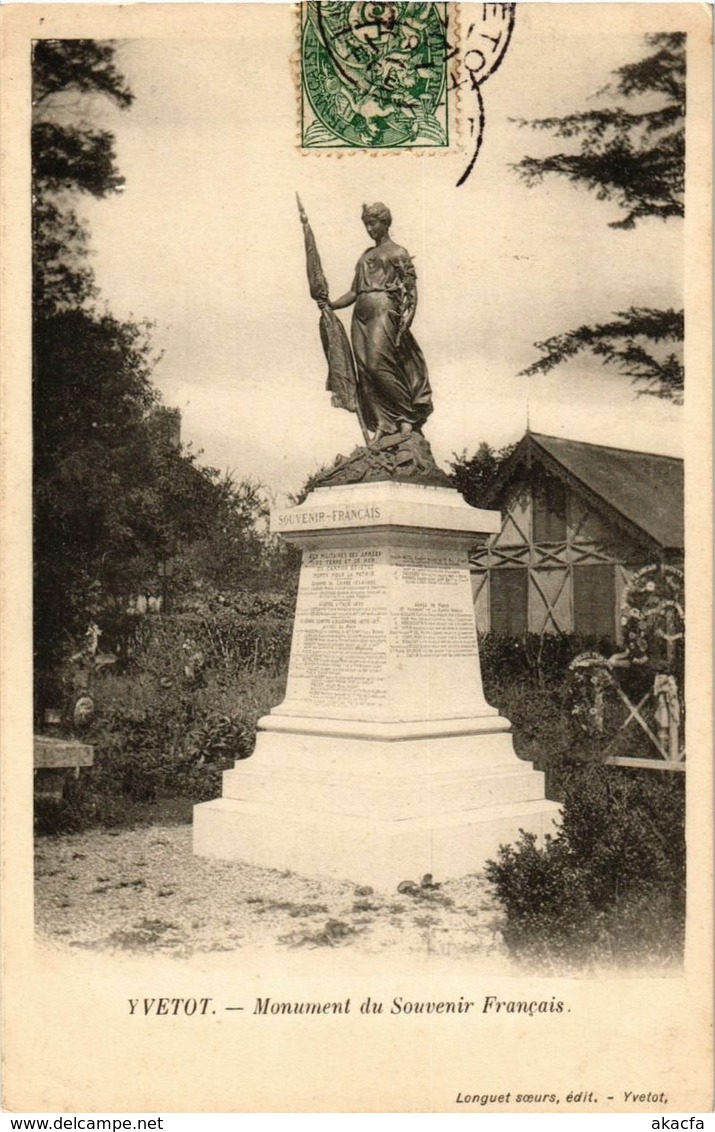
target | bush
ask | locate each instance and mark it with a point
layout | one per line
(176, 749)
(541, 659)
(75, 811)
(180, 749)
(610, 885)
(628, 826)
(528, 679)
(185, 711)
(545, 899)
(525, 678)
(231, 634)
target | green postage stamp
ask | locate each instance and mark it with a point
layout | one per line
(375, 76)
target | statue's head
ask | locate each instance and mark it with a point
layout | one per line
(377, 211)
(377, 219)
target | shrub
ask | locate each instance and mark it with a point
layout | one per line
(231, 634)
(176, 750)
(168, 728)
(544, 897)
(628, 826)
(610, 885)
(180, 749)
(71, 814)
(541, 659)
(528, 679)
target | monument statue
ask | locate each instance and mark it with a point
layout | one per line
(384, 761)
(384, 380)
(393, 385)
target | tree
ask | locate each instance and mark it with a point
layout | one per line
(229, 550)
(91, 387)
(622, 342)
(69, 157)
(474, 476)
(91, 396)
(87, 66)
(634, 157)
(114, 493)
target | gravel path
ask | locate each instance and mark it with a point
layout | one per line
(142, 890)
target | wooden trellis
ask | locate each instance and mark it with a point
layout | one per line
(663, 699)
(653, 618)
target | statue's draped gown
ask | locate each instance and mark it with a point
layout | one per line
(393, 384)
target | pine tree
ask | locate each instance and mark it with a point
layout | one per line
(620, 343)
(634, 157)
(631, 155)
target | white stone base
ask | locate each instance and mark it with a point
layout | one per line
(384, 762)
(375, 812)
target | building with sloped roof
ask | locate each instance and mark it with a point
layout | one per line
(577, 521)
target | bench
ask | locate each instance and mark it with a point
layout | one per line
(54, 759)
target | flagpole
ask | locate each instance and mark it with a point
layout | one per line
(319, 291)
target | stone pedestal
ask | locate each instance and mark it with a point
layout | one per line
(384, 761)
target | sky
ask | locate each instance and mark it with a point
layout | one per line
(205, 243)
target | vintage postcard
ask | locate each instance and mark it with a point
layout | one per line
(356, 435)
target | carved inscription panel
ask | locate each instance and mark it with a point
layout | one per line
(431, 619)
(384, 632)
(340, 646)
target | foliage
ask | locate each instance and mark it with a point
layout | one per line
(633, 156)
(474, 476)
(610, 884)
(184, 713)
(90, 393)
(82, 65)
(524, 678)
(74, 158)
(180, 747)
(540, 658)
(231, 634)
(91, 386)
(69, 157)
(61, 276)
(233, 551)
(112, 497)
(550, 705)
(626, 342)
(115, 495)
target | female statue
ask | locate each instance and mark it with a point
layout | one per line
(393, 385)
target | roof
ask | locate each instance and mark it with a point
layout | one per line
(644, 488)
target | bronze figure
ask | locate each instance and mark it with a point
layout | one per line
(392, 394)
